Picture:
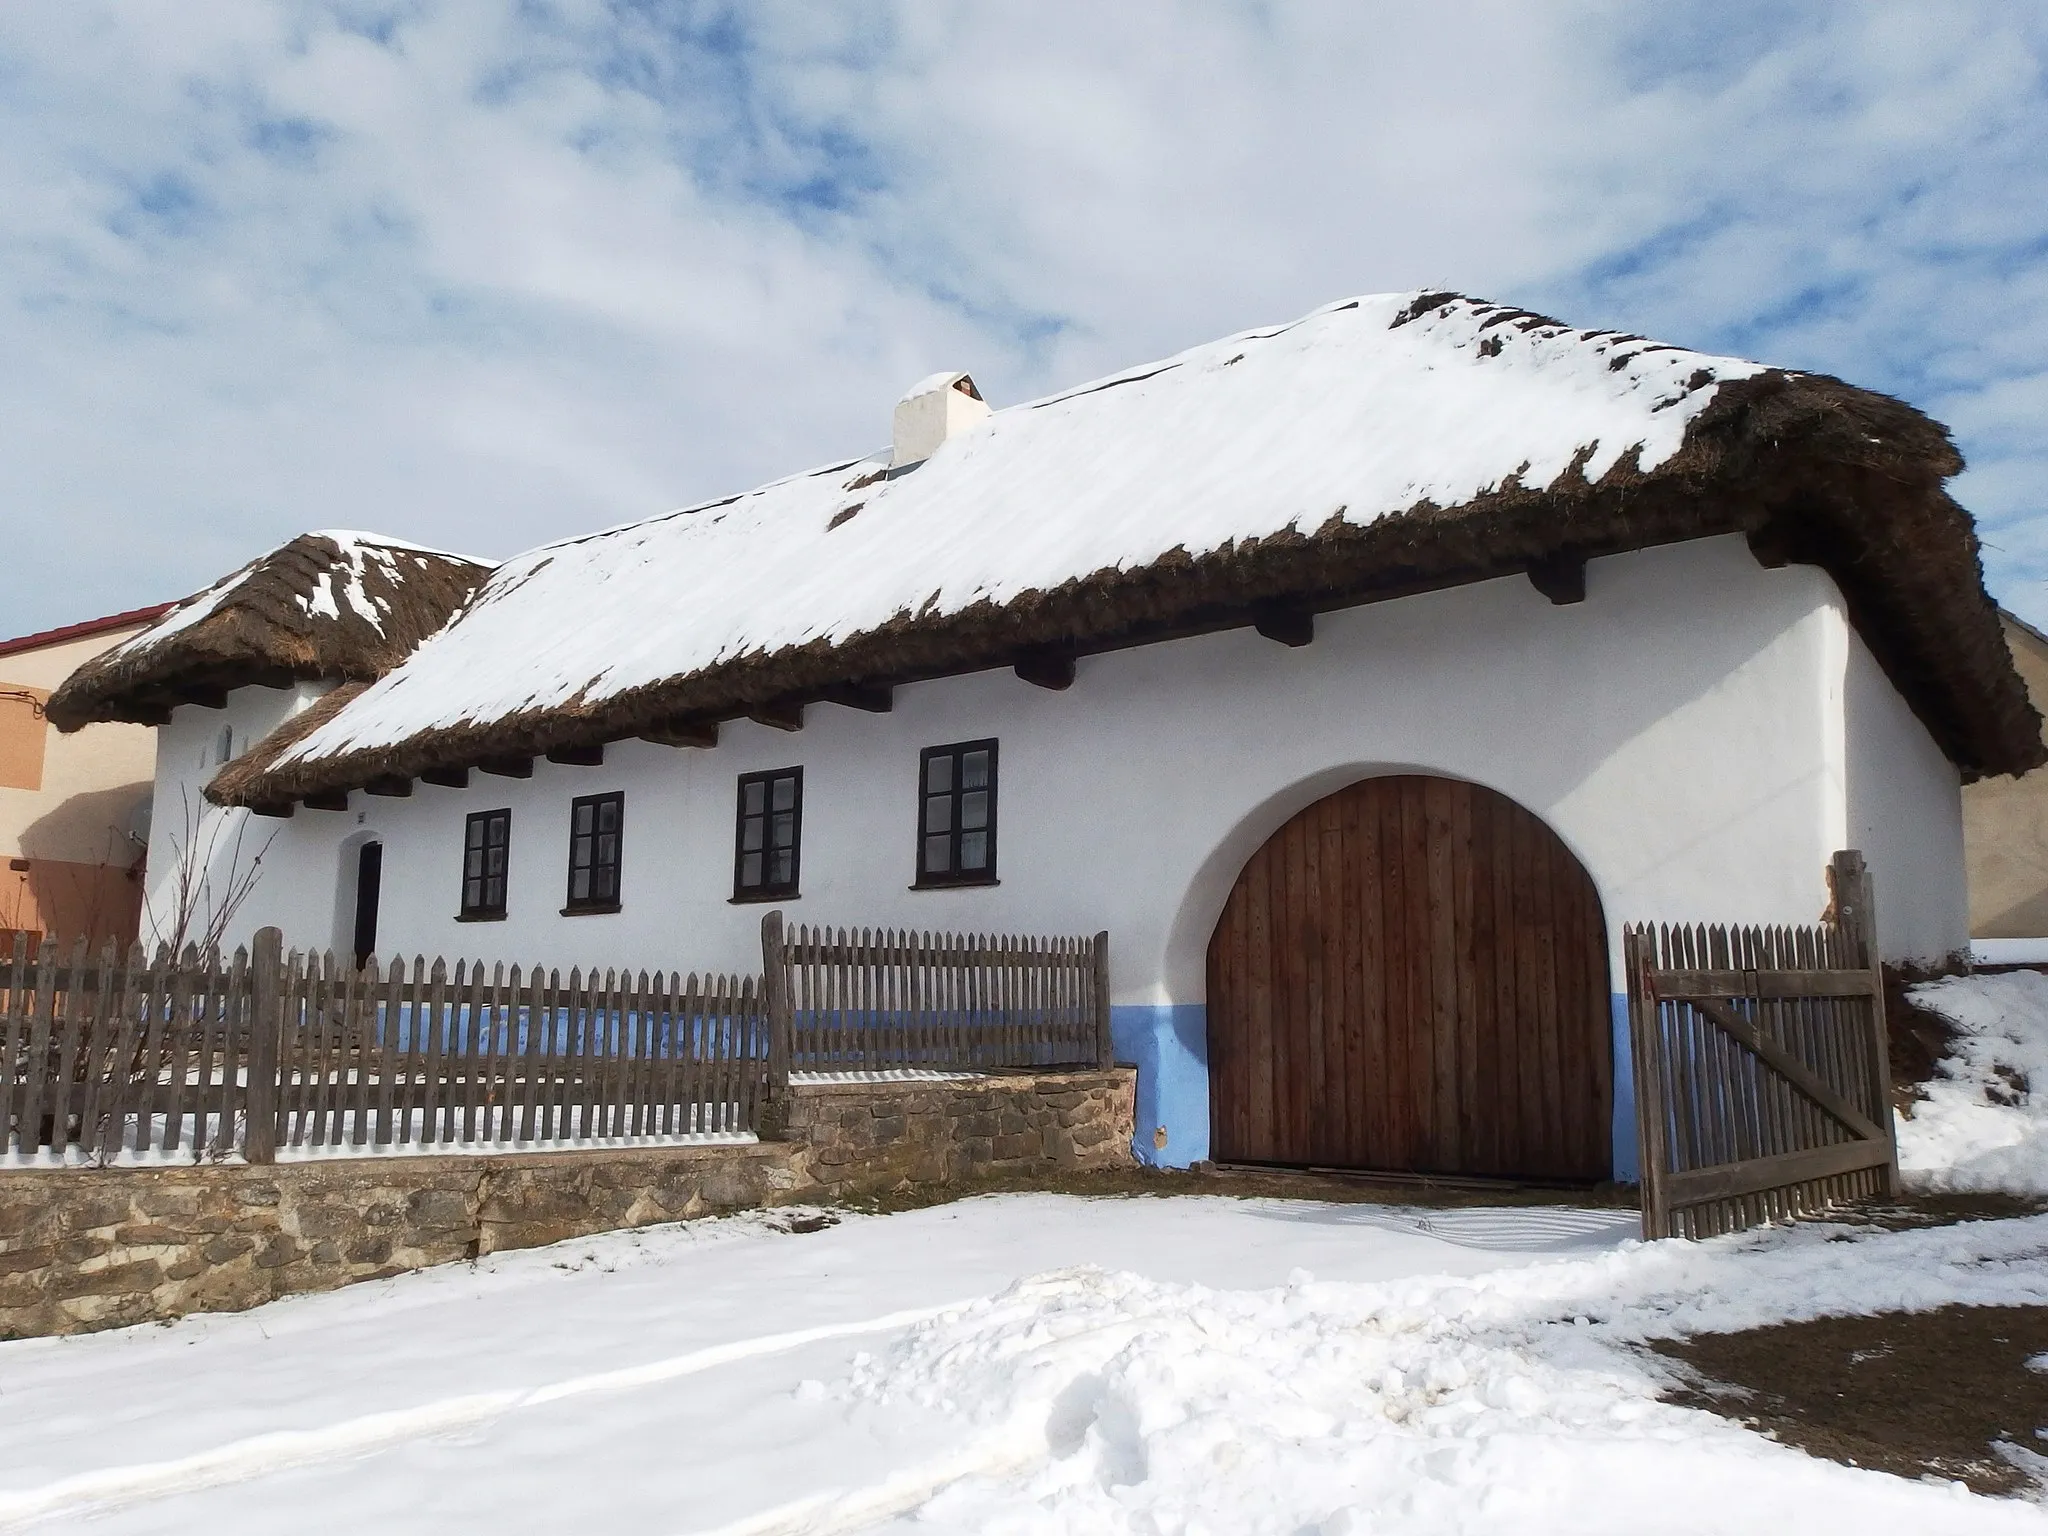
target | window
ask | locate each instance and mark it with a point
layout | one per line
(771, 818)
(595, 825)
(956, 828)
(486, 842)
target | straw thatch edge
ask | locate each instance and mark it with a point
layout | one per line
(262, 633)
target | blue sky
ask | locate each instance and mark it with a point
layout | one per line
(483, 272)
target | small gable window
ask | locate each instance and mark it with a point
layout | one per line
(956, 827)
(596, 829)
(486, 847)
(768, 840)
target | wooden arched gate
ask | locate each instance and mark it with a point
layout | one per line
(1411, 975)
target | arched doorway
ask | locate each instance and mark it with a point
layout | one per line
(1411, 975)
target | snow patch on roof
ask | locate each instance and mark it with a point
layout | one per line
(1360, 410)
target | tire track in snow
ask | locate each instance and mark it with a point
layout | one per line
(1018, 1444)
(261, 1455)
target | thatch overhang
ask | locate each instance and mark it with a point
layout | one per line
(333, 606)
(1812, 470)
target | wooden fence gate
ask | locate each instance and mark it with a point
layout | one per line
(1762, 1084)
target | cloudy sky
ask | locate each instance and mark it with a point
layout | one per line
(483, 272)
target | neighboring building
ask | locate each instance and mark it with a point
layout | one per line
(74, 810)
(223, 669)
(2005, 827)
(1362, 676)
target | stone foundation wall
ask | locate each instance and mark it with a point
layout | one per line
(83, 1249)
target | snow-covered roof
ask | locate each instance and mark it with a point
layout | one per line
(333, 604)
(1399, 438)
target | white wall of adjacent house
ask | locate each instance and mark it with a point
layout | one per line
(201, 855)
(1903, 806)
(1701, 732)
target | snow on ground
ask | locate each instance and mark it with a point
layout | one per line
(1008, 1364)
(1984, 1122)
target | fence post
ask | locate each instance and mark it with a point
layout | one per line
(1856, 911)
(1639, 957)
(1105, 1052)
(776, 1003)
(266, 1031)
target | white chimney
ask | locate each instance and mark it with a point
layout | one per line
(934, 409)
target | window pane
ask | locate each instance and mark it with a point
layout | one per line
(750, 834)
(938, 773)
(750, 869)
(974, 808)
(783, 866)
(938, 814)
(472, 864)
(785, 794)
(974, 769)
(974, 850)
(608, 849)
(582, 822)
(472, 895)
(494, 893)
(752, 797)
(938, 855)
(475, 839)
(785, 830)
(608, 816)
(494, 861)
(579, 885)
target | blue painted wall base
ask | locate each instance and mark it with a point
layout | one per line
(1625, 1169)
(1169, 1045)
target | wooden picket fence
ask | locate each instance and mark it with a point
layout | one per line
(107, 1058)
(882, 999)
(1762, 1084)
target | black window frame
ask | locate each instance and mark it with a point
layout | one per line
(592, 903)
(953, 876)
(481, 909)
(767, 890)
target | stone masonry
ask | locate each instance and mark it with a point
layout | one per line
(83, 1249)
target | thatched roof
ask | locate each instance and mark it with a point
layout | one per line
(1379, 447)
(330, 605)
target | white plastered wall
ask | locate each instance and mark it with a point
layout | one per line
(206, 848)
(1903, 807)
(1681, 730)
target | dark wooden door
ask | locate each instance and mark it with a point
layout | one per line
(369, 887)
(1411, 975)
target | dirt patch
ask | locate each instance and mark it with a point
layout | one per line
(1277, 1184)
(1915, 1393)
(1917, 1038)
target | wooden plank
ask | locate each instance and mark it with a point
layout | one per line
(178, 1038)
(1790, 1068)
(532, 1059)
(36, 1083)
(13, 1026)
(388, 1031)
(122, 1065)
(1757, 1174)
(95, 1052)
(71, 1012)
(1797, 981)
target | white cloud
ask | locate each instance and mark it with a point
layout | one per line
(481, 273)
